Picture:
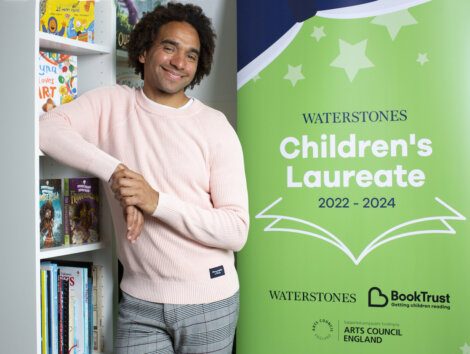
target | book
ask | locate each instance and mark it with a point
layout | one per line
(57, 80)
(50, 213)
(80, 277)
(98, 310)
(53, 313)
(77, 279)
(128, 13)
(63, 308)
(43, 311)
(74, 19)
(81, 204)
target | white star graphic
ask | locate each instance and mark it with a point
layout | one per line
(256, 78)
(318, 33)
(294, 74)
(422, 58)
(395, 21)
(352, 58)
(465, 349)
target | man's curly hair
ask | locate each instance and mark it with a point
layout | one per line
(146, 31)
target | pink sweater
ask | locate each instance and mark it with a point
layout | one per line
(193, 158)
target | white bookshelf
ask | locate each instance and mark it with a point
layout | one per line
(67, 250)
(69, 46)
(23, 164)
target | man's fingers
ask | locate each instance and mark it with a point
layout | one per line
(122, 182)
(126, 174)
(128, 201)
(140, 222)
(132, 233)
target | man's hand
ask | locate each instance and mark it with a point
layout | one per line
(131, 189)
(135, 222)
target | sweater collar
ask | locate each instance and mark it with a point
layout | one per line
(162, 110)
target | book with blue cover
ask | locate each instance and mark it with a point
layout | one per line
(50, 213)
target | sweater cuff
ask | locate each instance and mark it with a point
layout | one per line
(103, 165)
(164, 208)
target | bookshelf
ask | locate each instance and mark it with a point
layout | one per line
(22, 165)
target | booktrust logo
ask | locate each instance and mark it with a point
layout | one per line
(414, 299)
(376, 298)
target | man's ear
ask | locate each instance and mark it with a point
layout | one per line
(142, 57)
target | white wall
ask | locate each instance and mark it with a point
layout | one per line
(219, 89)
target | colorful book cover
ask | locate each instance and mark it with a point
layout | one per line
(50, 212)
(81, 203)
(128, 13)
(57, 80)
(74, 19)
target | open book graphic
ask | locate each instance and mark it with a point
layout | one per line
(303, 227)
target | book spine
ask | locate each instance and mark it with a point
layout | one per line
(54, 310)
(90, 313)
(100, 308)
(49, 310)
(86, 344)
(43, 312)
(66, 212)
(65, 316)
(60, 304)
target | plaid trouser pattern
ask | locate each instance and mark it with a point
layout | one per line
(147, 327)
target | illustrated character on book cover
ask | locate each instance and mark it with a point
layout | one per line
(47, 224)
(50, 213)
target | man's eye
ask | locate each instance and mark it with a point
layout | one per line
(168, 48)
(192, 57)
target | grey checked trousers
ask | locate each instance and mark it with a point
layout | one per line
(147, 327)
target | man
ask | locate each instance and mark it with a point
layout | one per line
(175, 167)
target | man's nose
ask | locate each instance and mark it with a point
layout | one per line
(178, 60)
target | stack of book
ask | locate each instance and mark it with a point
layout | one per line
(71, 307)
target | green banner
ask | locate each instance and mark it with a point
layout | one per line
(356, 141)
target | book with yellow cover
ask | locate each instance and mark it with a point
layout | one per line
(43, 312)
(73, 19)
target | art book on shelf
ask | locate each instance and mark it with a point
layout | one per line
(57, 80)
(81, 204)
(73, 19)
(50, 213)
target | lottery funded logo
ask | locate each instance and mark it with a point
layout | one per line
(322, 329)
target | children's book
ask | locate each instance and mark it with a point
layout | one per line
(77, 307)
(53, 313)
(128, 13)
(57, 80)
(98, 311)
(44, 334)
(50, 213)
(63, 304)
(81, 203)
(73, 19)
(80, 278)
